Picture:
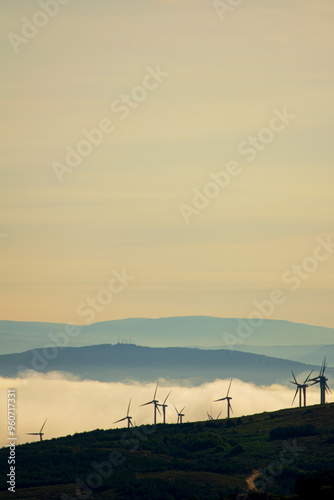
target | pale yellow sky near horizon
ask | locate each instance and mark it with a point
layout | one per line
(120, 207)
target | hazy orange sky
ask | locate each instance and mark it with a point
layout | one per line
(222, 83)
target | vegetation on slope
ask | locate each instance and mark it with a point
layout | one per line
(284, 454)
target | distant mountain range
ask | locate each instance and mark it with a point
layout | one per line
(125, 362)
(312, 354)
(283, 339)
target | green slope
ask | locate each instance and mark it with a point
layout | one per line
(201, 460)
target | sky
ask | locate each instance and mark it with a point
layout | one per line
(101, 404)
(183, 92)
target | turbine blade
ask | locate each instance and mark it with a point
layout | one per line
(322, 368)
(121, 420)
(182, 409)
(43, 425)
(155, 393)
(222, 399)
(167, 397)
(325, 366)
(219, 415)
(127, 413)
(294, 378)
(175, 409)
(295, 396)
(158, 409)
(308, 376)
(229, 387)
(32, 433)
(230, 407)
(149, 403)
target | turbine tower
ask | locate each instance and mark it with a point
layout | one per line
(126, 418)
(155, 403)
(301, 388)
(228, 399)
(180, 415)
(164, 406)
(40, 433)
(322, 381)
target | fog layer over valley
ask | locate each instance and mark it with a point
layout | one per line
(76, 406)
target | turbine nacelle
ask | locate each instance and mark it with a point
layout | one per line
(40, 433)
(228, 399)
(180, 415)
(301, 388)
(155, 402)
(128, 418)
(164, 406)
(322, 381)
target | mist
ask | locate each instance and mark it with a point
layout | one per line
(73, 405)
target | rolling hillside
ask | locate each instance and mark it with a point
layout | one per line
(312, 354)
(285, 454)
(187, 331)
(124, 362)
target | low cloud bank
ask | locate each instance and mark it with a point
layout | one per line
(76, 406)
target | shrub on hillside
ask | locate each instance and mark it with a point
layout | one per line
(293, 431)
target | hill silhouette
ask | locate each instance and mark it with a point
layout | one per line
(124, 362)
(180, 331)
(284, 454)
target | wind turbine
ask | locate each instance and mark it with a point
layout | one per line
(126, 418)
(164, 406)
(40, 433)
(211, 417)
(180, 415)
(229, 407)
(300, 388)
(155, 403)
(322, 380)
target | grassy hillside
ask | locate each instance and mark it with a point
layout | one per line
(289, 450)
